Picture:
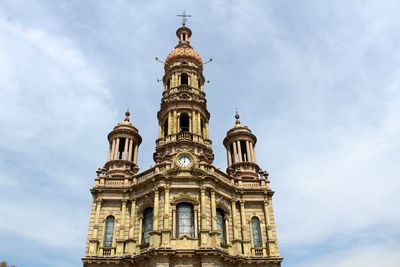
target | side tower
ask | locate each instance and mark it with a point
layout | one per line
(183, 211)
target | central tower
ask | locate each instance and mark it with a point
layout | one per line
(183, 116)
(183, 211)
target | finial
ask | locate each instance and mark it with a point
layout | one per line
(237, 117)
(127, 114)
(184, 17)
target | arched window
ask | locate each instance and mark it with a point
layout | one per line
(221, 225)
(184, 122)
(255, 228)
(184, 79)
(165, 127)
(109, 232)
(184, 220)
(147, 225)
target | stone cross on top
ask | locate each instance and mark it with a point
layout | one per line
(184, 17)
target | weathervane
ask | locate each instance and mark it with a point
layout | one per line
(184, 17)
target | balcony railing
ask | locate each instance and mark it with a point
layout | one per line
(106, 251)
(258, 252)
(184, 136)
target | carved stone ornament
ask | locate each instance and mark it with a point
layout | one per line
(185, 197)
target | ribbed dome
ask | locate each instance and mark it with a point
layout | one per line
(183, 52)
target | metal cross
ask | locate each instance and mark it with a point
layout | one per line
(184, 17)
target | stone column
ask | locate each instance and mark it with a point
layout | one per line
(245, 238)
(213, 211)
(123, 213)
(130, 149)
(228, 155)
(166, 208)
(132, 219)
(170, 122)
(113, 142)
(196, 230)
(94, 241)
(135, 154)
(249, 159)
(120, 242)
(165, 235)
(204, 231)
(206, 133)
(194, 122)
(155, 209)
(235, 159)
(140, 228)
(130, 243)
(227, 230)
(215, 240)
(109, 151)
(160, 134)
(155, 234)
(253, 152)
(125, 154)
(116, 149)
(96, 218)
(239, 148)
(199, 123)
(174, 221)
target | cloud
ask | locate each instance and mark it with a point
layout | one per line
(51, 100)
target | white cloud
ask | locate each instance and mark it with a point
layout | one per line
(51, 101)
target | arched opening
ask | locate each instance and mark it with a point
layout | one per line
(184, 220)
(109, 232)
(168, 84)
(221, 226)
(243, 149)
(184, 122)
(184, 79)
(121, 148)
(165, 127)
(256, 232)
(147, 225)
(233, 155)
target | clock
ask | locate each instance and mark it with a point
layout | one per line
(184, 161)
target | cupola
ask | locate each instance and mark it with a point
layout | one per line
(124, 142)
(240, 146)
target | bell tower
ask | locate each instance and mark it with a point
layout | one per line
(183, 117)
(183, 211)
(240, 146)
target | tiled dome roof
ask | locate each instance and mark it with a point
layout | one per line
(183, 52)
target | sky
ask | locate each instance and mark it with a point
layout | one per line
(318, 83)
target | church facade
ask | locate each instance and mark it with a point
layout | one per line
(183, 211)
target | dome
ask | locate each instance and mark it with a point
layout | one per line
(183, 52)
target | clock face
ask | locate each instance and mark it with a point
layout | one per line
(184, 161)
